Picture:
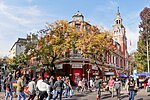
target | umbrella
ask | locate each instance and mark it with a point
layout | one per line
(123, 76)
(143, 74)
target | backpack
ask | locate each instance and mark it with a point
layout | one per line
(98, 83)
(117, 85)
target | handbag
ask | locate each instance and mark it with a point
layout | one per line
(37, 91)
(71, 92)
(147, 89)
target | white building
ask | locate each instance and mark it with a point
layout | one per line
(17, 48)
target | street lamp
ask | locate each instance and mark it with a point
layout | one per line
(147, 51)
(145, 26)
(148, 29)
(88, 71)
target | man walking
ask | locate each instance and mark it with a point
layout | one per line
(58, 86)
(32, 89)
(98, 83)
(20, 88)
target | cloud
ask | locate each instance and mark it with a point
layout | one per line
(132, 36)
(18, 21)
(20, 15)
(131, 22)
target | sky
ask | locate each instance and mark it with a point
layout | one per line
(21, 17)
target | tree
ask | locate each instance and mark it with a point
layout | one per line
(95, 44)
(19, 60)
(61, 37)
(56, 42)
(141, 54)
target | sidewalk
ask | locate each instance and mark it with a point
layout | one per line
(141, 95)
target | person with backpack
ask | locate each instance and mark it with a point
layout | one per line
(117, 86)
(97, 85)
(9, 88)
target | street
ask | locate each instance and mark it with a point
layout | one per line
(141, 95)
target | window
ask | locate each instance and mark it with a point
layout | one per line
(116, 60)
(77, 27)
(121, 63)
(116, 21)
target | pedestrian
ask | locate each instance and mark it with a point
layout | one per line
(31, 89)
(83, 87)
(68, 88)
(117, 86)
(131, 88)
(148, 85)
(137, 80)
(50, 88)
(20, 88)
(58, 87)
(97, 85)
(79, 87)
(126, 85)
(91, 83)
(42, 87)
(111, 86)
(9, 88)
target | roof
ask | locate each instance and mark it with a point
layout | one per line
(20, 40)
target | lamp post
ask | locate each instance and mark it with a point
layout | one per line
(145, 26)
(147, 49)
(88, 78)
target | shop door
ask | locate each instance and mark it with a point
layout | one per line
(77, 75)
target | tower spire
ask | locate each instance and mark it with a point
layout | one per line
(118, 19)
(118, 12)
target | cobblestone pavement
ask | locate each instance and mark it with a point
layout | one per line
(141, 95)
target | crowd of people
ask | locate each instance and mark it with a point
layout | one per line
(41, 88)
(50, 87)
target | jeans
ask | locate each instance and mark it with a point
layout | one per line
(43, 94)
(60, 94)
(67, 91)
(131, 95)
(8, 93)
(111, 90)
(31, 97)
(21, 95)
(118, 93)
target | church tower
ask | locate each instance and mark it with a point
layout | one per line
(119, 33)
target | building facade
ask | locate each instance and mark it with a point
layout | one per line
(17, 48)
(116, 63)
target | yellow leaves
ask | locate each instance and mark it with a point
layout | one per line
(62, 36)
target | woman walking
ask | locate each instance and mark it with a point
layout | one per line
(131, 88)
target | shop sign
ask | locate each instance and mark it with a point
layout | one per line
(95, 73)
(77, 74)
(94, 67)
(76, 65)
(109, 73)
(59, 66)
